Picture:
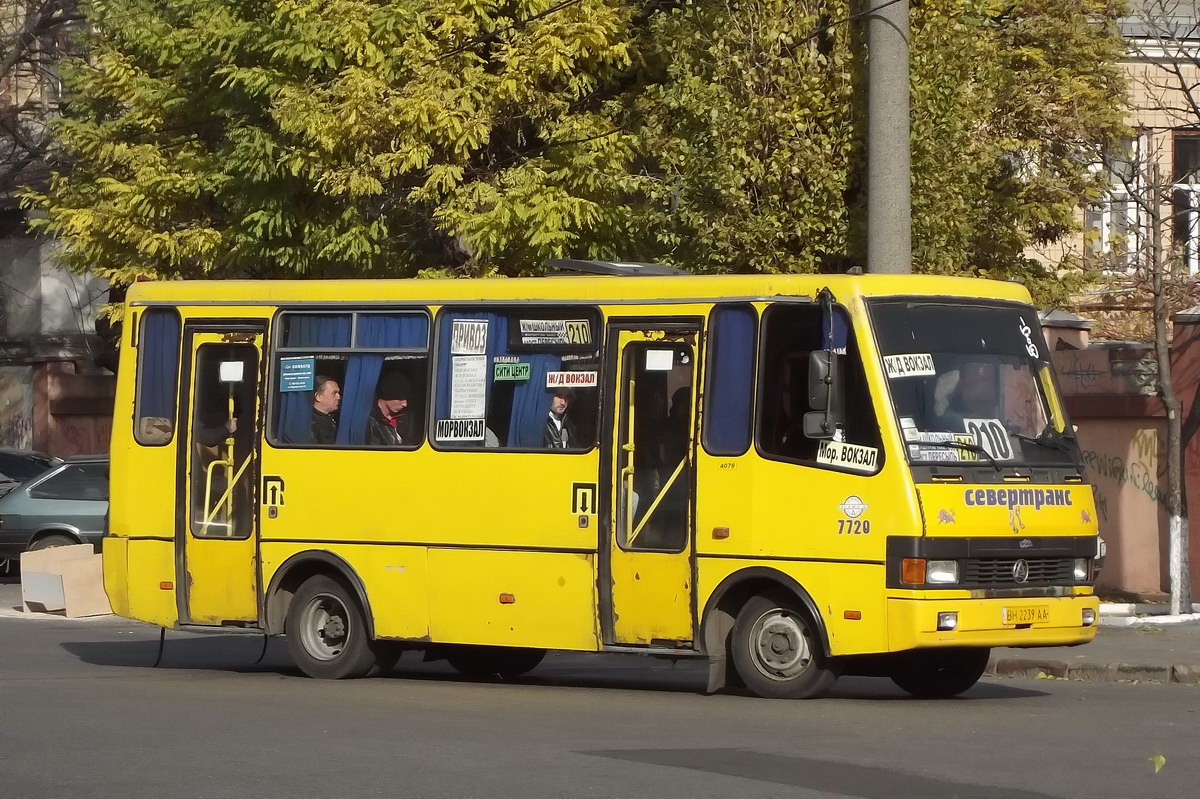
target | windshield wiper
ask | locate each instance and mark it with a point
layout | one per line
(1049, 437)
(978, 450)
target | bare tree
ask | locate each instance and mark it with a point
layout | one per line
(34, 36)
(1153, 223)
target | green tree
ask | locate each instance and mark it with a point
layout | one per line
(338, 137)
(757, 157)
(395, 137)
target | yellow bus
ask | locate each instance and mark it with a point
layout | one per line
(792, 477)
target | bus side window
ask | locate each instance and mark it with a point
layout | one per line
(517, 379)
(356, 379)
(157, 377)
(791, 333)
(729, 398)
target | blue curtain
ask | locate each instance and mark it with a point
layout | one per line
(307, 330)
(317, 330)
(730, 381)
(531, 402)
(497, 344)
(362, 371)
(159, 377)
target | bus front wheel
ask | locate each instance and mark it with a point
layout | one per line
(940, 673)
(777, 651)
(327, 631)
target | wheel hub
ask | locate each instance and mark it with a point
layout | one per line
(324, 627)
(779, 645)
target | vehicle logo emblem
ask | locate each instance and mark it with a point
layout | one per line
(1020, 571)
(1026, 543)
(853, 506)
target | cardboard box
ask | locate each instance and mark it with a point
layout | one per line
(66, 580)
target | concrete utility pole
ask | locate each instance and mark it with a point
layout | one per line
(889, 182)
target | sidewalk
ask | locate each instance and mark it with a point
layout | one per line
(1119, 654)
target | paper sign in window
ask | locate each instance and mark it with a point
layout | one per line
(297, 374)
(468, 337)
(917, 364)
(660, 360)
(468, 387)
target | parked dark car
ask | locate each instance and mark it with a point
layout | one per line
(19, 466)
(64, 505)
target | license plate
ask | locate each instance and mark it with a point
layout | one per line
(1033, 614)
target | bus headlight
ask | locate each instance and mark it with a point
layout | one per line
(942, 572)
(1083, 570)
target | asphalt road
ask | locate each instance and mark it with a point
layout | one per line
(83, 714)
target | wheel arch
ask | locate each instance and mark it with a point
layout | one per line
(298, 568)
(721, 609)
(55, 529)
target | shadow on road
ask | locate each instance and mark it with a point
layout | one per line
(868, 782)
(233, 653)
(238, 654)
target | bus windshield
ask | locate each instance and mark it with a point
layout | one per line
(971, 383)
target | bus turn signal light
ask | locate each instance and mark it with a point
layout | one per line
(507, 599)
(852, 615)
(912, 571)
(166, 585)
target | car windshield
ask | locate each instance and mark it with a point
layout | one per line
(19, 467)
(971, 382)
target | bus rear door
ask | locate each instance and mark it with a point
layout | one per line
(216, 533)
(650, 549)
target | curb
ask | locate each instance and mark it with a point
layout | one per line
(1033, 669)
(1149, 621)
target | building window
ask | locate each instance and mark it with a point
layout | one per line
(1185, 198)
(1114, 220)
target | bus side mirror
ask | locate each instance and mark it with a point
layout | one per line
(817, 425)
(823, 420)
(820, 376)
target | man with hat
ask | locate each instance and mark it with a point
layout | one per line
(390, 423)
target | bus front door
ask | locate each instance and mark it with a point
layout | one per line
(216, 535)
(650, 551)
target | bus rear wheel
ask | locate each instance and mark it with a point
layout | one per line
(777, 651)
(940, 673)
(327, 631)
(506, 662)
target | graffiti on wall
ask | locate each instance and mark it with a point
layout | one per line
(1138, 471)
(16, 408)
(80, 435)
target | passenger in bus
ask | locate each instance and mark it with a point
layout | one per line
(560, 431)
(326, 400)
(391, 423)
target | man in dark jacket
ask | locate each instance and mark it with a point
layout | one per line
(560, 432)
(326, 400)
(391, 424)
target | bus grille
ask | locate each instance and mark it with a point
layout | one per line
(999, 571)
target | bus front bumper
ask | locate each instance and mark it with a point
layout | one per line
(1025, 622)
